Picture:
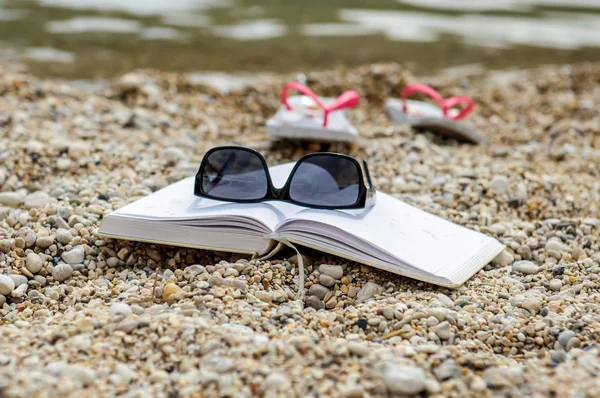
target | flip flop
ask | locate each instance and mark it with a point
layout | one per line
(440, 119)
(309, 117)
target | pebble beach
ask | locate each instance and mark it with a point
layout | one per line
(83, 315)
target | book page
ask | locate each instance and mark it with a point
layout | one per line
(177, 202)
(393, 229)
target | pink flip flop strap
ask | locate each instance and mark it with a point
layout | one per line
(445, 104)
(348, 99)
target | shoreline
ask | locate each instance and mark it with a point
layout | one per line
(83, 315)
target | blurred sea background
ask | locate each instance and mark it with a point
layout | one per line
(237, 40)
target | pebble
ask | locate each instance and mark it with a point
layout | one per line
(525, 267)
(6, 285)
(84, 325)
(18, 280)
(12, 199)
(334, 271)
(315, 302)
(264, 296)
(326, 280)
(36, 199)
(497, 377)
(368, 291)
(120, 309)
(171, 290)
(447, 370)
(503, 259)
(74, 256)
(63, 236)
(555, 285)
(406, 380)
(318, 290)
(62, 272)
(565, 336)
(499, 184)
(558, 356)
(34, 263)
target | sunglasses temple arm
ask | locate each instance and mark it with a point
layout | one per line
(371, 189)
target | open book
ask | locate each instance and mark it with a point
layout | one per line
(391, 235)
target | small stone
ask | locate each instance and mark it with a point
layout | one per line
(44, 242)
(326, 280)
(63, 236)
(75, 255)
(84, 325)
(497, 377)
(120, 309)
(264, 296)
(447, 370)
(499, 184)
(36, 199)
(315, 302)
(357, 348)
(362, 323)
(34, 263)
(563, 337)
(173, 155)
(62, 271)
(18, 280)
(335, 271)
(525, 267)
(556, 245)
(555, 285)
(445, 300)
(443, 330)
(368, 291)
(558, 356)
(12, 199)
(331, 303)
(407, 380)
(276, 382)
(7, 285)
(503, 259)
(171, 290)
(318, 290)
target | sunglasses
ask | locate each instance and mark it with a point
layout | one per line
(318, 180)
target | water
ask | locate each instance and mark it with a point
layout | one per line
(103, 38)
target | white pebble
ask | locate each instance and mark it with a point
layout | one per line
(34, 263)
(7, 285)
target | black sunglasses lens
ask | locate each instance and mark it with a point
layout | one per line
(234, 174)
(326, 180)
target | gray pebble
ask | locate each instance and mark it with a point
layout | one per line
(335, 271)
(565, 336)
(62, 271)
(500, 184)
(326, 280)
(525, 267)
(558, 356)
(369, 290)
(315, 302)
(318, 290)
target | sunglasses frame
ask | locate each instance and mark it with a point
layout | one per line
(366, 194)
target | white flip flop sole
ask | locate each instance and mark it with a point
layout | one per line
(427, 116)
(305, 122)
